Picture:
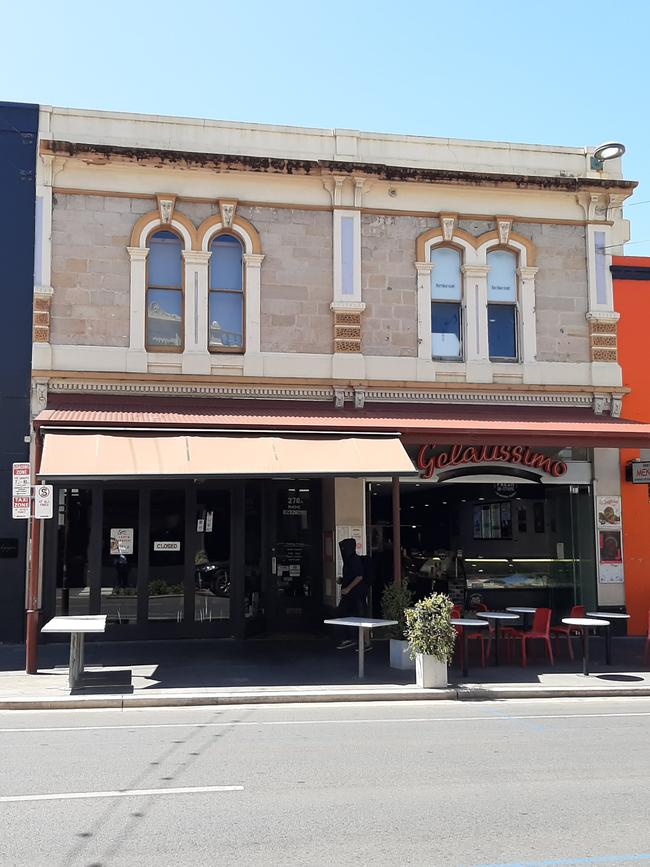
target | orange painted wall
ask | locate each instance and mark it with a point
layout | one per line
(632, 300)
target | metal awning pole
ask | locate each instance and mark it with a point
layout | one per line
(397, 536)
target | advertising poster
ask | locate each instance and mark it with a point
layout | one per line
(610, 544)
(608, 513)
(121, 541)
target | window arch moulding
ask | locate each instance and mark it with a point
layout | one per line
(503, 238)
(228, 221)
(165, 217)
(446, 235)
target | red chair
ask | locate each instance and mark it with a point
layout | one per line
(540, 629)
(647, 643)
(568, 631)
(482, 635)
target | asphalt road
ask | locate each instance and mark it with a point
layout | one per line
(442, 783)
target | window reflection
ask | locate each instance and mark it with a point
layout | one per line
(212, 568)
(73, 527)
(119, 572)
(166, 555)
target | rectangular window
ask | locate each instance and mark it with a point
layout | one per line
(446, 300)
(164, 318)
(445, 330)
(347, 255)
(226, 296)
(226, 310)
(502, 331)
(119, 569)
(167, 555)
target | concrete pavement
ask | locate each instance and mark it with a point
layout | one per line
(441, 785)
(230, 672)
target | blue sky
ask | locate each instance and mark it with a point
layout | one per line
(541, 72)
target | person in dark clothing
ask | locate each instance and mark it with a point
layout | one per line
(353, 587)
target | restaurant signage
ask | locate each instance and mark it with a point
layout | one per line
(641, 472)
(429, 461)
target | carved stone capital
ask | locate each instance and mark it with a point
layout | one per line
(254, 260)
(138, 254)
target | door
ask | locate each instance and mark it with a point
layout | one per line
(295, 557)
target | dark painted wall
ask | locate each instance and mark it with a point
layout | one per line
(18, 140)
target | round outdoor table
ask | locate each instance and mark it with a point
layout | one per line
(584, 624)
(608, 632)
(525, 612)
(466, 621)
(497, 617)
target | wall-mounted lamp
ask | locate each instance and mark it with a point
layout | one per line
(611, 150)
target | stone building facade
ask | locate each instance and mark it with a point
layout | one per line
(340, 237)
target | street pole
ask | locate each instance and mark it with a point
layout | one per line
(34, 558)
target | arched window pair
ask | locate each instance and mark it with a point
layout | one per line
(165, 294)
(447, 304)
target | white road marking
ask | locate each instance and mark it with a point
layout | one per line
(502, 717)
(120, 793)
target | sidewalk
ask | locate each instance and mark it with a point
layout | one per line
(272, 671)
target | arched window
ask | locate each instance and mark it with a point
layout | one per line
(502, 305)
(446, 303)
(226, 295)
(164, 322)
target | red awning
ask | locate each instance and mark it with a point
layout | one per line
(471, 425)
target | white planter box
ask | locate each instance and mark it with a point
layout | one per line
(399, 655)
(430, 673)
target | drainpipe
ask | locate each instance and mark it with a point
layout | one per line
(397, 536)
(34, 558)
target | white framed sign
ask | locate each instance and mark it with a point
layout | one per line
(43, 501)
(167, 546)
(121, 540)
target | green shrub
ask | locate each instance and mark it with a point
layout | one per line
(429, 629)
(395, 599)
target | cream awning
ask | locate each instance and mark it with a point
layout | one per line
(119, 455)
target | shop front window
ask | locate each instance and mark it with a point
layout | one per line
(212, 556)
(73, 530)
(165, 585)
(119, 569)
(293, 550)
(253, 600)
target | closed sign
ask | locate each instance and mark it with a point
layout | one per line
(167, 546)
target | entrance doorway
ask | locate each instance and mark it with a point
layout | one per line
(295, 555)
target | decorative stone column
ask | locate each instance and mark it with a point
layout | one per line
(196, 357)
(136, 359)
(253, 265)
(424, 271)
(528, 327)
(476, 324)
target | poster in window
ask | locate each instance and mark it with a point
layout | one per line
(121, 541)
(609, 542)
(608, 512)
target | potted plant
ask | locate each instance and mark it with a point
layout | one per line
(431, 637)
(395, 599)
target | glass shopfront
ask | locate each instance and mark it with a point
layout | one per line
(504, 539)
(184, 558)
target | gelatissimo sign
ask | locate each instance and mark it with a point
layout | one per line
(431, 460)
